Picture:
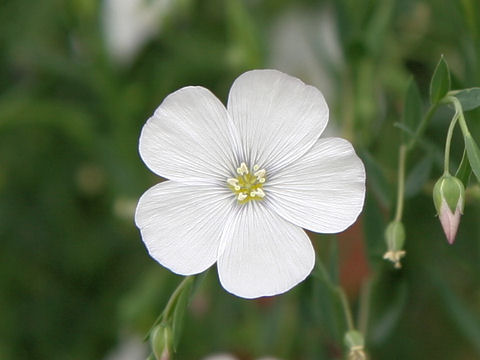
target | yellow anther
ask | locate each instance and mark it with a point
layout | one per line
(260, 174)
(232, 182)
(243, 169)
(248, 185)
(260, 193)
(242, 196)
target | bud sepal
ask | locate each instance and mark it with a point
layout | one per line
(449, 200)
(395, 238)
(162, 342)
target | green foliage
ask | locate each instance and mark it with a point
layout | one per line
(469, 98)
(418, 175)
(473, 153)
(75, 277)
(464, 170)
(440, 83)
(412, 113)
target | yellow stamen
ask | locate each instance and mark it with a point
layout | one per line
(248, 186)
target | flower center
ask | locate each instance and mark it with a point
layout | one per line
(248, 185)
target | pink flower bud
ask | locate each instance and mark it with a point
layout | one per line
(449, 220)
(448, 197)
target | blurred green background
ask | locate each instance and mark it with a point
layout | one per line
(79, 78)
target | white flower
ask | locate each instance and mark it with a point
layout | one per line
(243, 182)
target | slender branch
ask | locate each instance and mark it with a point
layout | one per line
(170, 307)
(174, 297)
(448, 141)
(364, 310)
(459, 112)
(423, 125)
(346, 308)
(402, 159)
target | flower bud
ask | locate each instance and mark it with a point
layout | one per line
(395, 238)
(355, 343)
(449, 200)
(161, 341)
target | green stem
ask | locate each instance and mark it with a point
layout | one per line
(402, 159)
(459, 114)
(170, 307)
(324, 276)
(447, 143)
(423, 125)
(346, 308)
(175, 295)
(364, 310)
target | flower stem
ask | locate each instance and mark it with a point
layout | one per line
(346, 308)
(458, 113)
(448, 141)
(423, 125)
(170, 307)
(402, 159)
(174, 297)
(364, 310)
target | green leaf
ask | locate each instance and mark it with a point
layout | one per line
(464, 170)
(328, 303)
(179, 312)
(377, 180)
(469, 98)
(440, 83)
(412, 112)
(418, 176)
(374, 226)
(388, 299)
(467, 320)
(473, 153)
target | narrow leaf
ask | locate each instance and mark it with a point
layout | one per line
(469, 98)
(373, 227)
(440, 83)
(473, 153)
(412, 113)
(418, 176)
(388, 298)
(179, 312)
(377, 180)
(328, 303)
(464, 170)
(467, 320)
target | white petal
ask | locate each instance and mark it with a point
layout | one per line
(190, 138)
(261, 254)
(182, 225)
(279, 117)
(450, 221)
(323, 191)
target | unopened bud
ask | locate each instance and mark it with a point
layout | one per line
(449, 200)
(395, 239)
(355, 343)
(161, 341)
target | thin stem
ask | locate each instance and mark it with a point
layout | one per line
(448, 141)
(402, 157)
(170, 307)
(363, 312)
(174, 297)
(324, 276)
(423, 125)
(346, 308)
(459, 113)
